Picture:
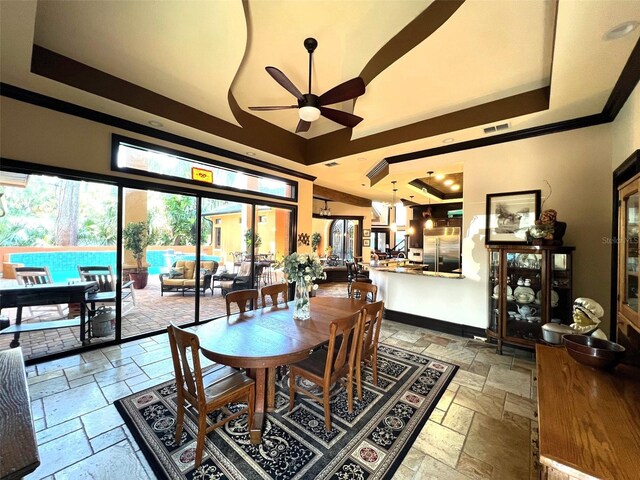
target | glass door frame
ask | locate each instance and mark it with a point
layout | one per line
(128, 183)
(358, 241)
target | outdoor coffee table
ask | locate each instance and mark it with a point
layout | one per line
(264, 339)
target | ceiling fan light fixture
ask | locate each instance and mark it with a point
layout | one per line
(309, 114)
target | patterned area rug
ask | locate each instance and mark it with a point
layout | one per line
(366, 444)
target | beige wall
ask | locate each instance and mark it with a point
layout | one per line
(626, 130)
(38, 135)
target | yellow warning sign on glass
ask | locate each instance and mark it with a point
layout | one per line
(201, 175)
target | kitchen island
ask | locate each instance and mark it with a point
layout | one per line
(441, 301)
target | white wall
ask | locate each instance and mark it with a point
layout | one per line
(626, 130)
(577, 164)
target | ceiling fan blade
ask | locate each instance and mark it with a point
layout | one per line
(338, 116)
(264, 109)
(303, 126)
(345, 91)
(282, 79)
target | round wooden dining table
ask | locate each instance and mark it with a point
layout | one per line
(260, 340)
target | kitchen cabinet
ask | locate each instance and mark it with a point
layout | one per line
(628, 319)
(528, 287)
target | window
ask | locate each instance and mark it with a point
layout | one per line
(262, 219)
(142, 158)
(218, 237)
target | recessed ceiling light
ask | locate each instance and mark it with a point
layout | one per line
(448, 182)
(439, 176)
(455, 187)
(251, 154)
(155, 123)
(621, 30)
(448, 140)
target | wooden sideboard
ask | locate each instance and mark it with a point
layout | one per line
(18, 448)
(589, 420)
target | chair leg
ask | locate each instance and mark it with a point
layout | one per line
(327, 411)
(292, 389)
(350, 392)
(202, 432)
(359, 380)
(374, 366)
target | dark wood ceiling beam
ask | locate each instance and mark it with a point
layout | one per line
(329, 194)
(259, 134)
(339, 144)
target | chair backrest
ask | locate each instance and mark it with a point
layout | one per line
(245, 269)
(32, 275)
(102, 275)
(241, 297)
(370, 328)
(273, 291)
(191, 383)
(364, 289)
(339, 363)
(351, 270)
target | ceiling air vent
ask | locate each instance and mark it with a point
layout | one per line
(331, 164)
(497, 128)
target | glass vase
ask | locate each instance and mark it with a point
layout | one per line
(301, 310)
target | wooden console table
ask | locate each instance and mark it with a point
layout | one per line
(589, 419)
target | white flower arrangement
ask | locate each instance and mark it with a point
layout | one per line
(303, 267)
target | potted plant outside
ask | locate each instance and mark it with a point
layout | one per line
(136, 240)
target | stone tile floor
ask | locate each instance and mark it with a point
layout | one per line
(480, 429)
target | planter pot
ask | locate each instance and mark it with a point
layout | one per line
(139, 279)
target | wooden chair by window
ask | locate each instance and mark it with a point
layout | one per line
(106, 281)
(214, 390)
(273, 291)
(369, 289)
(241, 297)
(36, 276)
(326, 367)
(368, 345)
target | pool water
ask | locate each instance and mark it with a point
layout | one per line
(64, 265)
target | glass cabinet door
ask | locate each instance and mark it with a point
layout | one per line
(494, 291)
(629, 248)
(561, 296)
(525, 295)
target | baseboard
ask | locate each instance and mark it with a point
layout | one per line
(433, 324)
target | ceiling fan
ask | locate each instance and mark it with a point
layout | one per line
(311, 106)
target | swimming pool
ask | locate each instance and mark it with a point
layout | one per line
(63, 265)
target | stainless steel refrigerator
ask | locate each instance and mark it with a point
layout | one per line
(441, 249)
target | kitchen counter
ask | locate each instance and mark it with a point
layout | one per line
(430, 299)
(412, 270)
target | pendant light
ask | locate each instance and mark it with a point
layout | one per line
(394, 225)
(429, 223)
(411, 230)
(325, 212)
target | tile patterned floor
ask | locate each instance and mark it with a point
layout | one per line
(479, 430)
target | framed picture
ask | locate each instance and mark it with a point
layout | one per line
(366, 233)
(509, 216)
(366, 242)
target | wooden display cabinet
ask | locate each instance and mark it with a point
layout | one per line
(528, 287)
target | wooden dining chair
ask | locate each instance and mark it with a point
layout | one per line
(370, 291)
(241, 297)
(326, 367)
(214, 390)
(368, 345)
(273, 291)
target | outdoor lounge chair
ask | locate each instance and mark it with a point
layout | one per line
(106, 281)
(36, 276)
(230, 282)
(182, 276)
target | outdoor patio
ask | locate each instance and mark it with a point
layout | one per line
(151, 313)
